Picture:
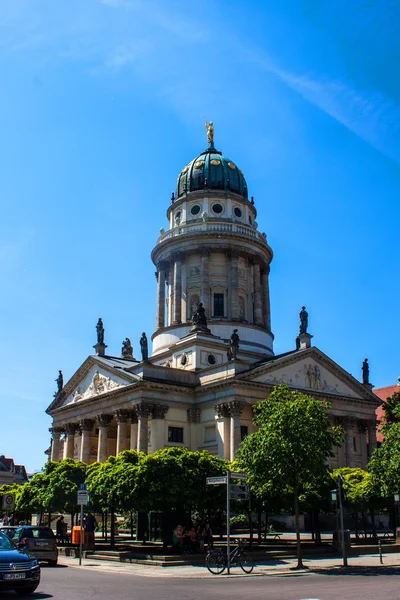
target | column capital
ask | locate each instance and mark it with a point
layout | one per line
(86, 424)
(235, 408)
(205, 253)
(162, 265)
(221, 410)
(122, 415)
(104, 420)
(143, 409)
(193, 415)
(178, 256)
(56, 431)
(159, 411)
(71, 428)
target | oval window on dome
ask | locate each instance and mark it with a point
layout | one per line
(195, 209)
(238, 212)
(231, 165)
(215, 162)
(198, 164)
(218, 208)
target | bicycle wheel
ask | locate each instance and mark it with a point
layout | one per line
(216, 562)
(246, 562)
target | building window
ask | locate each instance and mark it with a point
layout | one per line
(218, 208)
(244, 431)
(354, 444)
(195, 209)
(211, 359)
(218, 305)
(175, 435)
(210, 433)
(238, 212)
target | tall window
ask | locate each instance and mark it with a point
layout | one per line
(218, 305)
(175, 435)
(244, 431)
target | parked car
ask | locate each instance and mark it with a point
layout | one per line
(8, 530)
(41, 541)
(19, 571)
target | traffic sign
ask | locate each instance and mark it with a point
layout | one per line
(216, 480)
(82, 486)
(9, 502)
(83, 497)
(239, 492)
(241, 476)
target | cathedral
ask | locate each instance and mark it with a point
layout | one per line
(212, 353)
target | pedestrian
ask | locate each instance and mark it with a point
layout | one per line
(90, 528)
(60, 529)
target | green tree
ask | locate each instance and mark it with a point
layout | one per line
(391, 408)
(289, 451)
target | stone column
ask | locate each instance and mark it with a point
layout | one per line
(234, 282)
(78, 440)
(258, 317)
(235, 409)
(70, 429)
(55, 442)
(266, 302)
(223, 430)
(193, 417)
(158, 426)
(86, 426)
(205, 282)
(171, 294)
(350, 454)
(134, 430)
(143, 410)
(177, 305)
(102, 444)
(371, 436)
(122, 417)
(363, 442)
(160, 318)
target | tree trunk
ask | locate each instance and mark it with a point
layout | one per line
(364, 524)
(106, 517)
(112, 536)
(251, 528)
(259, 518)
(297, 522)
(373, 523)
(356, 525)
(131, 515)
(317, 526)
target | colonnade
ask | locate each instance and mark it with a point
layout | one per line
(132, 432)
(173, 274)
(360, 441)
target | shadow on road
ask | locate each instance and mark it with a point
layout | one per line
(35, 596)
(365, 571)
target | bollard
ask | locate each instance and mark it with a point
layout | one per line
(380, 552)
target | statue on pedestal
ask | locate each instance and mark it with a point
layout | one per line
(100, 332)
(365, 372)
(210, 132)
(127, 350)
(303, 315)
(144, 347)
(233, 345)
(60, 381)
(199, 321)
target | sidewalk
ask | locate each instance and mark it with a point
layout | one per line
(278, 568)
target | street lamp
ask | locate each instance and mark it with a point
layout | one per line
(337, 498)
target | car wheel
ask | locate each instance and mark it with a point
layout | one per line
(29, 589)
(52, 563)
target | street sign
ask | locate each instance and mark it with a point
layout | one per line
(9, 502)
(83, 498)
(239, 492)
(216, 480)
(82, 486)
(241, 476)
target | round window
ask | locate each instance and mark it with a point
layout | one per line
(211, 359)
(237, 212)
(218, 208)
(183, 360)
(195, 209)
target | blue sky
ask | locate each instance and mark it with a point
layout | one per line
(102, 103)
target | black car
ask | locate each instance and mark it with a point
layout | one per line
(19, 571)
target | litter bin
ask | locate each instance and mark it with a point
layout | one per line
(337, 539)
(76, 535)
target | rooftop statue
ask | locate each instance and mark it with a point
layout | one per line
(100, 332)
(233, 345)
(127, 350)
(144, 348)
(365, 372)
(199, 321)
(210, 132)
(60, 381)
(303, 315)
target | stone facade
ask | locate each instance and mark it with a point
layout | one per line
(191, 393)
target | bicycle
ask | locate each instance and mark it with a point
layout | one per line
(216, 559)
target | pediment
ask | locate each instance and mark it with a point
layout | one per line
(312, 371)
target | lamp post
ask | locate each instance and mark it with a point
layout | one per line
(337, 498)
(396, 499)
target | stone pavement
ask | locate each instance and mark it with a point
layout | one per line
(278, 568)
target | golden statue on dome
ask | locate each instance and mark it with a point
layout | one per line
(210, 132)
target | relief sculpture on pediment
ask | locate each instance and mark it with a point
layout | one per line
(99, 385)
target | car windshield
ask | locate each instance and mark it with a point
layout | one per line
(5, 543)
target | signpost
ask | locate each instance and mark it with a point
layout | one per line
(9, 502)
(237, 492)
(83, 500)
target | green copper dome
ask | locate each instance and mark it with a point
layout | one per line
(211, 170)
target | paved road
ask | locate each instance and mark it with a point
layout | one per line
(72, 583)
